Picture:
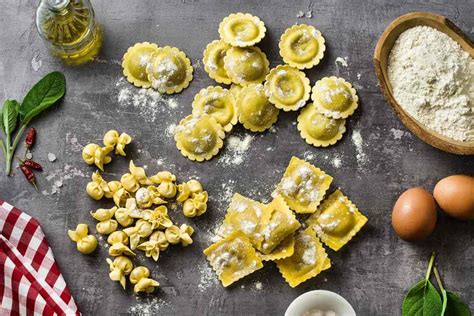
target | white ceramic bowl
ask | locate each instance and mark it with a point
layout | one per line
(320, 299)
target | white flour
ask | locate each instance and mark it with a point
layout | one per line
(433, 80)
(238, 148)
(358, 143)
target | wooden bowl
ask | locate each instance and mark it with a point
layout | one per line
(381, 54)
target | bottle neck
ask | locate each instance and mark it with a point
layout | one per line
(56, 5)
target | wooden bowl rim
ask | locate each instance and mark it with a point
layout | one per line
(430, 137)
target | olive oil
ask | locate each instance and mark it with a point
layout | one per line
(69, 29)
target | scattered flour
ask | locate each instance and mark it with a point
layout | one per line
(258, 286)
(308, 14)
(148, 306)
(170, 130)
(358, 143)
(433, 80)
(238, 148)
(148, 102)
(208, 277)
(397, 134)
(336, 162)
(36, 63)
(341, 61)
(59, 176)
(308, 155)
(359, 75)
(72, 140)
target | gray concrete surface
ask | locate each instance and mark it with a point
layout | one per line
(372, 272)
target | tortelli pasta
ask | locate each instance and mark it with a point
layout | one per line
(119, 268)
(142, 283)
(94, 154)
(118, 244)
(97, 187)
(85, 243)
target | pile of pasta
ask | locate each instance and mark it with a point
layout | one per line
(257, 94)
(253, 232)
(139, 220)
(165, 69)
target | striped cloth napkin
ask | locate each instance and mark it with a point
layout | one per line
(30, 280)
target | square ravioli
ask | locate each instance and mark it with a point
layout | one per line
(278, 221)
(243, 214)
(285, 249)
(303, 186)
(233, 258)
(336, 221)
(308, 260)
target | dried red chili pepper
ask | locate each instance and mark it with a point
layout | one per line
(30, 176)
(30, 137)
(33, 164)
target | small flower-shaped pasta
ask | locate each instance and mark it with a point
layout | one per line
(218, 103)
(142, 229)
(239, 29)
(158, 218)
(106, 227)
(170, 71)
(167, 189)
(196, 206)
(118, 240)
(287, 88)
(111, 138)
(94, 154)
(155, 195)
(334, 97)
(140, 277)
(113, 186)
(123, 218)
(172, 234)
(135, 61)
(97, 187)
(246, 65)
(122, 141)
(256, 112)
(195, 186)
(133, 210)
(213, 61)
(85, 243)
(120, 197)
(184, 192)
(302, 46)
(199, 137)
(163, 176)
(185, 233)
(156, 243)
(103, 214)
(119, 268)
(319, 130)
(143, 198)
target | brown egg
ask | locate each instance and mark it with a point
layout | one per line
(455, 196)
(414, 214)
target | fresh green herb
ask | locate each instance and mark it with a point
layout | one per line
(452, 304)
(44, 94)
(423, 299)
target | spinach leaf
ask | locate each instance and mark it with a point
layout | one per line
(422, 299)
(9, 116)
(455, 306)
(43, 94)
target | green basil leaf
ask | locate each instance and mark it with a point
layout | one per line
(9, 116)
(422, 300)
(43, 95)
(455, 306)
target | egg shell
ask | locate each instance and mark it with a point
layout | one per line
(414, 214)
(455, 196)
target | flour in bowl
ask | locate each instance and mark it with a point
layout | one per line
(432, 79)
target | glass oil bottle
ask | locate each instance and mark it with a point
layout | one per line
(69, 29)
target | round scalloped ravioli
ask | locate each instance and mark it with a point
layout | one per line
(302, 46)
(214, 61)
(241, 30)
(287, 88)
(334, 97)
(246, 65)
(170, 71)
(199, 137)
(218, 103)
(135, 61)
(256, 112)
(319, 130)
